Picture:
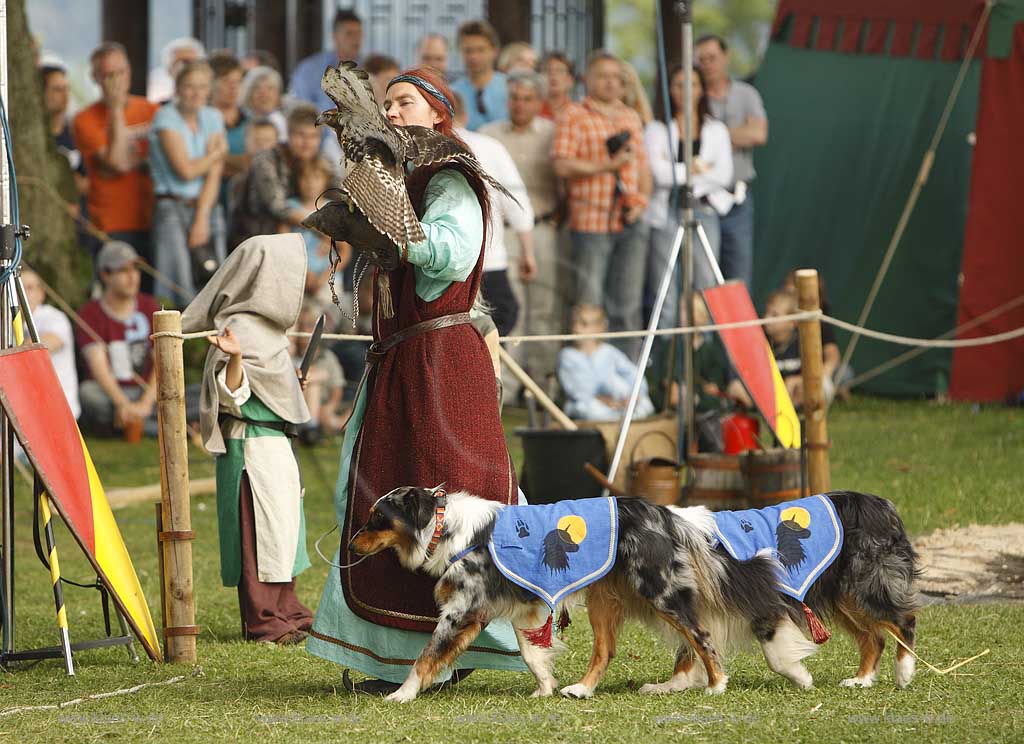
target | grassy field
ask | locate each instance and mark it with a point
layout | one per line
(942, 465)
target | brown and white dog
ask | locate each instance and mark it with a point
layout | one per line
(668, 574)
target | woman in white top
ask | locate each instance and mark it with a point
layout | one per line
(712, 166)
(260, 95)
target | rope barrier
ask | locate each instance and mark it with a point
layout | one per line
(906, 356)
(927, 343)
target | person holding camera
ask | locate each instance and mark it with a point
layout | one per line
(599, 149)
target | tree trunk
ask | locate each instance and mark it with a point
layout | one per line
(45, 183)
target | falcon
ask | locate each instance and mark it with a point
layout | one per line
(381, 151)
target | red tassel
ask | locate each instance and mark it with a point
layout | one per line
(540, 636)
(563, 620)
(819, 633)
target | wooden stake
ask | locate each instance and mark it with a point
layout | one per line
(175, 533)
(520, 374)
(811, 366)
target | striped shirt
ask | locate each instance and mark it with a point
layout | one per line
(581, 133)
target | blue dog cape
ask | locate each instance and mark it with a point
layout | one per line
(805, 536)
(555, 549)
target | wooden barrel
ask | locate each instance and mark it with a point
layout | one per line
(772, 476)
(715, 481)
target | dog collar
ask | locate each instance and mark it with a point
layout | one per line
(440, 500)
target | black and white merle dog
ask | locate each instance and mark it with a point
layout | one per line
(667, 574)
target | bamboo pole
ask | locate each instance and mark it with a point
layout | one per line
(811, 366)
(520, 374)
(175, 534)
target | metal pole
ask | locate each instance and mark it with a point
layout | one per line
(684, 9)
(6, 341)
(58, 591)
(683, 242)
(645, 353)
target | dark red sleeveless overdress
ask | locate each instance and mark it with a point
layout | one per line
(431, 417)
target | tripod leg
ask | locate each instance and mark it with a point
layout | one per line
(58, 592)
(709, 256)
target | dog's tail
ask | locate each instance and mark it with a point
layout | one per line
(882, 566)
(751, 587)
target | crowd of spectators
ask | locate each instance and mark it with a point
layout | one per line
(221, 149)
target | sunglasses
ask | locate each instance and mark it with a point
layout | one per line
(480, 107)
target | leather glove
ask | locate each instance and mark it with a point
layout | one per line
(341, 219)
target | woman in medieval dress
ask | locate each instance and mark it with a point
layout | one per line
(426, 413)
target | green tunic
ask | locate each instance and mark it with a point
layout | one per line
(229, 482)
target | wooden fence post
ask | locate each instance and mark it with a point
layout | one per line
(175, 534)
(811, 364)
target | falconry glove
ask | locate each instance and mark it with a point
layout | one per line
(340, 219)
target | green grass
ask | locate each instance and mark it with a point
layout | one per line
(942, 465)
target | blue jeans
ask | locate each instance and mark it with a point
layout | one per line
(662, 239)
(738, 242)
(609, 271)
(172, 219)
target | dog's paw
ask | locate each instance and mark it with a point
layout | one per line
(543, 692)
(579, 691)
(401, 695)
(904, 671)
(803, 680)
(718, 688)
(858, 682)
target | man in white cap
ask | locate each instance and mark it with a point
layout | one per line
(116, 349)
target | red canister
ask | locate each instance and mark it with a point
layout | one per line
(739, 433)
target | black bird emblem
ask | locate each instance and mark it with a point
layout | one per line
(789, 534)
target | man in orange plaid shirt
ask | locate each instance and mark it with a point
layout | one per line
(609, 240)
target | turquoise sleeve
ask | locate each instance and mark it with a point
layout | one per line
(453, 224)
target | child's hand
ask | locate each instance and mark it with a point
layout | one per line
(227, 342)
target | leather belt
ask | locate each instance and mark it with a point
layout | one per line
(378, 349)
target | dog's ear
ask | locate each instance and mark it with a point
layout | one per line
(417, 504)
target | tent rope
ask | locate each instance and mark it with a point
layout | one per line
(919, 182)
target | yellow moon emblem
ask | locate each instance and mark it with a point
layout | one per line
(574, 526)
(796, 514)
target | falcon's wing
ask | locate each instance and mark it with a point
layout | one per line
(426, 147)
(380, 194)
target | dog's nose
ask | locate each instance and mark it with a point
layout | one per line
(351, 543)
